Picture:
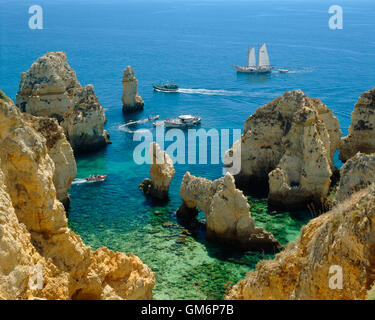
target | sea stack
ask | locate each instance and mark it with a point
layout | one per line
(130, 99)
(227, 213)
(50, 88)
(287, 150)
(41, 257)
(361, 137)
(161, 173)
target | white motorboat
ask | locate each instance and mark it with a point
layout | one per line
(283, 70)
(263, 65)
(182, 121)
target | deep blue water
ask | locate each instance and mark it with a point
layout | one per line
(193, 43)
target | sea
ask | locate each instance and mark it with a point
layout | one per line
(193, 43)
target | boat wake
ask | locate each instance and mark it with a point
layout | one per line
(127, 126)
(211, 92)
(79, 181)
(304, 70)
(126, 129)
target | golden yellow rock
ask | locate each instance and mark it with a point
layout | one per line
(50, 88)
(40, 257)
(130, 99)
(361, 137)
(343, 238)
(287, 149)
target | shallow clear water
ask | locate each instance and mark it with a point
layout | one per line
(193, 43)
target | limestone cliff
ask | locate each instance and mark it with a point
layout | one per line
(161, 173)
(356, 174)
(227, 212)
(361, 131)
(340, 242)
(60, 152)
(130, 99)
(50, 88)
(287, 149)
(40, 257)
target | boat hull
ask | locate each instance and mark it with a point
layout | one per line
(161, 89)
(240, 69)
(177, 123)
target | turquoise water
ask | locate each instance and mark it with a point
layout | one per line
(193, 43)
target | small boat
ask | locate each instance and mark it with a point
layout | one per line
(166, 87)
(182, 121)
(263, 65)
(151, 118)
(97, 178)
(283, 70)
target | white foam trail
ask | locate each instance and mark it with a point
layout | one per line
(125, 128)
(305, 70)
(79, 181)
(211, 92)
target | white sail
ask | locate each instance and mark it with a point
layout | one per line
(264, 60)
(251, 60)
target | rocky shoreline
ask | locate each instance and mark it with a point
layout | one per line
(36, 244)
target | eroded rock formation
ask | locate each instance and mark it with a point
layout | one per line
(161, 173)
(287, 149)
(40, 257)
(60, 152)
(227, 212)
(130, 98)
(361, 135)
(356, 174)
(340, 240)
(50, 88)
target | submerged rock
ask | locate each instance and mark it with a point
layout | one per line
(338, 243)
(227, 212)
(356, 174)
(50, 88)
(41, 258)
(361, 137)
(161, 172)
(287, 150)
(130, 98)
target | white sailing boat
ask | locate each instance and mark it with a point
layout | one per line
(263, 65)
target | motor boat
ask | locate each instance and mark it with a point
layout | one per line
(96, 178)
(182, 121)
(151, 118)
(166, 87)
(283, 70)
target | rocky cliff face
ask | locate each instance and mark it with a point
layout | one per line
(161, 172)
(287, 149)
(130, 98)
(343, 238)
(361, 131)
(356, 174)
(60, 152)
(50, 88)
(40, 257)
(227, 212)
